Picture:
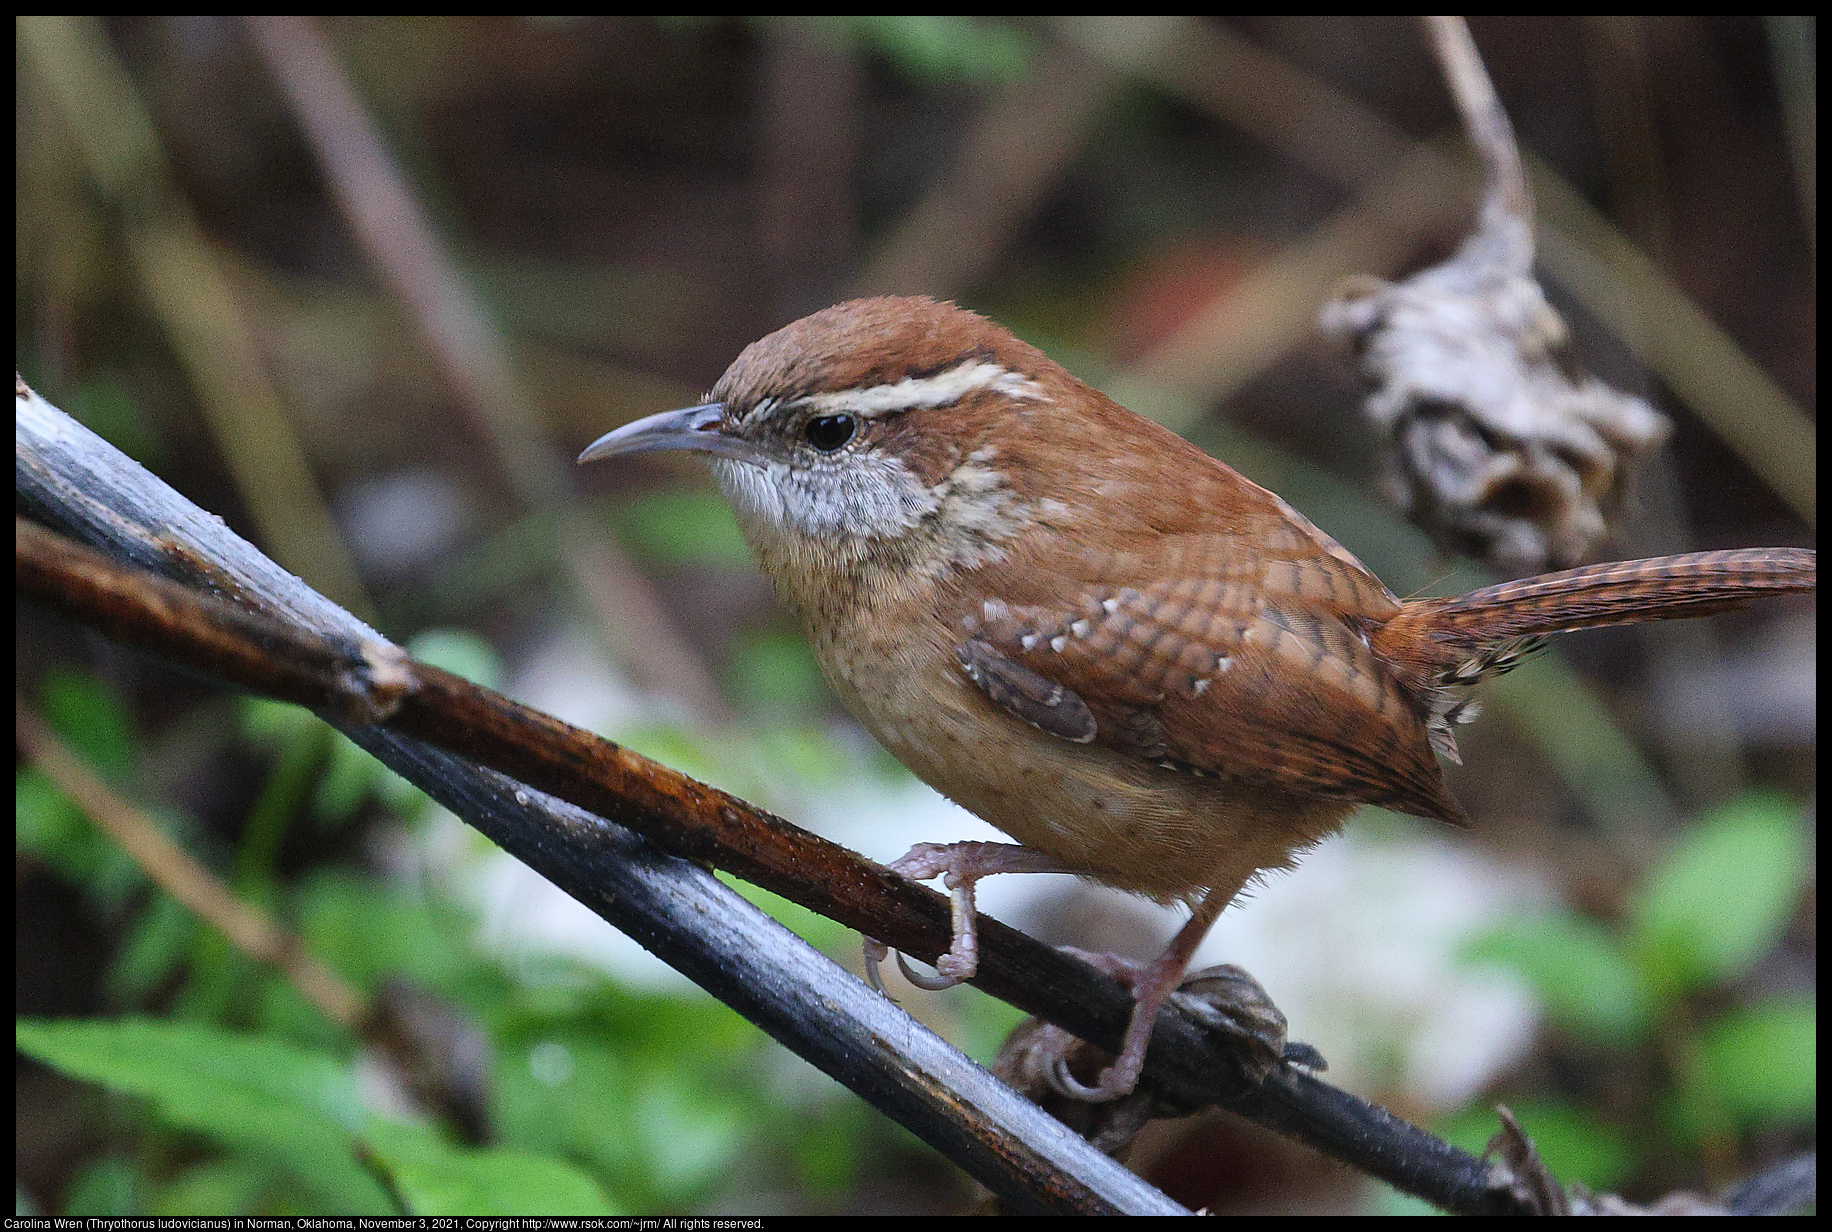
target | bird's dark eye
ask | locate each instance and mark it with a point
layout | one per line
(829, 432)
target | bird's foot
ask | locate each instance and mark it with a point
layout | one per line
(961, 866)
(1225, 998)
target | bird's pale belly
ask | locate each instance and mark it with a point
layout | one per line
(1094, 809)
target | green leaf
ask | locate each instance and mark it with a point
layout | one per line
(107, 404)
(276, 725)
(1762, 1062)
(695, 752)
(232, 1185)
(828, 936)
(691, 1134)
(437, 1178)
(1574, 1144)
(659, 1095)
(681, 527)
(983, 1024)
(107, 1186)
(242, 1091)
(366, 930)
(1589, 985)
(91, 717)
(349, 776)
(401, 797)
(1721, 897)
(826, 1150)
(460, 652)
(158, 941)
(49, 825)
(938, 48)
(799, 750)
(566, 1094)
(776, 671)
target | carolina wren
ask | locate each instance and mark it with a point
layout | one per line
(1143, 667)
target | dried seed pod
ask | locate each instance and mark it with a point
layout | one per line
(1496, 448)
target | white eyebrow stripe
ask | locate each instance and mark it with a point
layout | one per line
(917, 392)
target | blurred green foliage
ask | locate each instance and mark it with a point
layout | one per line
(247, 1100)
(679, 527)
(1670, 981)
(926, 49)
(937, 48)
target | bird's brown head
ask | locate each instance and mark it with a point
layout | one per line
(899, 425)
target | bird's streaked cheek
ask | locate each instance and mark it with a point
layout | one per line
(754, 489)
(870, 496)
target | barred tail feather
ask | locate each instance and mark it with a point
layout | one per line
(1447, 646)
(1626, 592)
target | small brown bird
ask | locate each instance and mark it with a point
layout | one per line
(1061, 615)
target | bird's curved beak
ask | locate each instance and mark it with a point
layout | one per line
(696, 427)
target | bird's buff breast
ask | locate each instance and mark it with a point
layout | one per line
(889, 656)
(1093, 809)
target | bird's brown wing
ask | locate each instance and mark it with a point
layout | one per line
(1253, 673)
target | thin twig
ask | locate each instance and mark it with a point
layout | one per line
(179, 874)
(1506, 202)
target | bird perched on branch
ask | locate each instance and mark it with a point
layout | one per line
(1061, 615)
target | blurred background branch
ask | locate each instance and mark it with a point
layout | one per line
(469, 347)
(190, 295)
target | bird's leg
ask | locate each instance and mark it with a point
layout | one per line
(1150, 985)
(1226, 998)
(963, 864)
(1223, 997)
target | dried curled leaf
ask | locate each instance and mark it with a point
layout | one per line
(1495, 448)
